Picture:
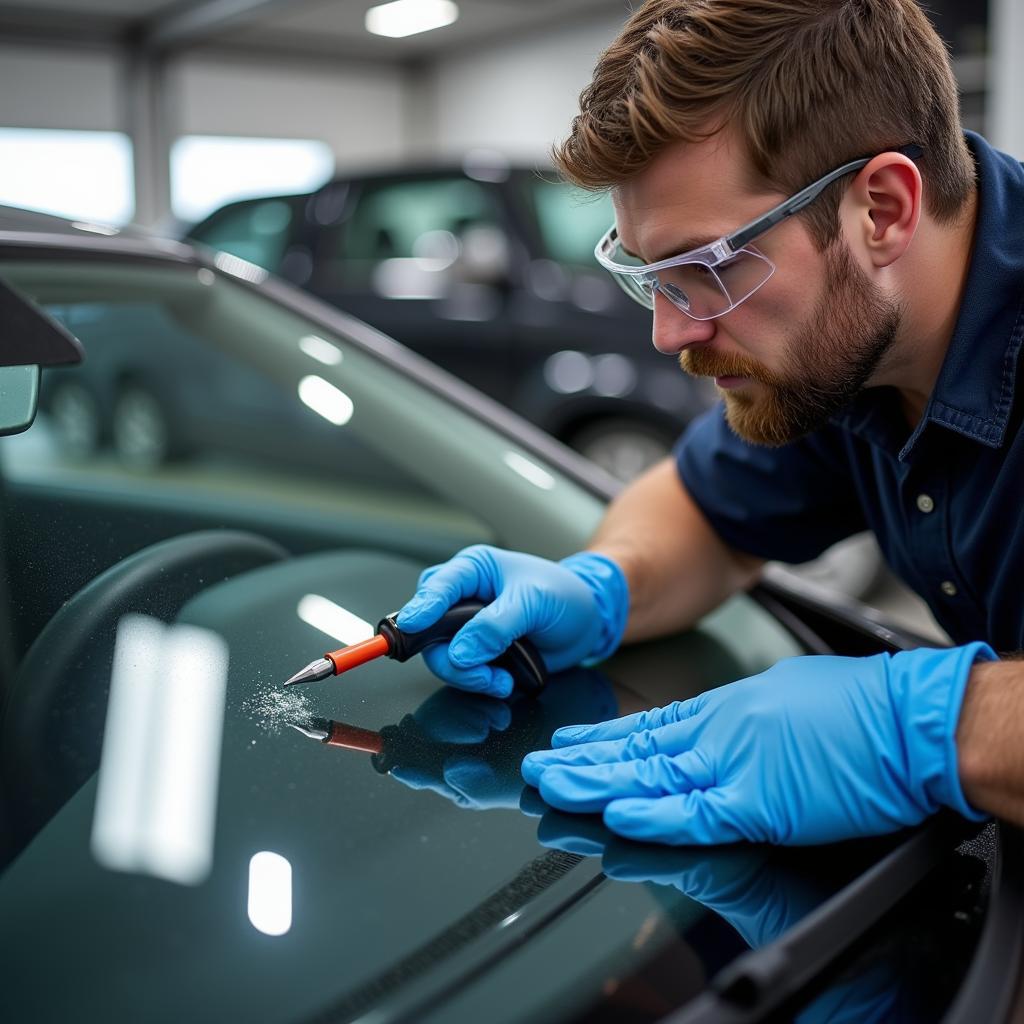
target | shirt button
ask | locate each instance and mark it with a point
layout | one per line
(948, 587)
(925, 503)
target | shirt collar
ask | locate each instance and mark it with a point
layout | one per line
(974, 391)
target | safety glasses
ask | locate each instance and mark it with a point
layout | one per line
(710, 281)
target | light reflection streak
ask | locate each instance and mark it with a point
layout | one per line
(270, 893)
(157, 789)
(324, 398)
(330, 618)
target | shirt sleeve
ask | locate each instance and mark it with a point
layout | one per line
(787, 503)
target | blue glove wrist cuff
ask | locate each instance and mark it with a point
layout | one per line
(929, 686)
(608, 584)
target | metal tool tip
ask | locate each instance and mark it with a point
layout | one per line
(319, 669)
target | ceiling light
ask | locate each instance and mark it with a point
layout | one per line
(407, 17)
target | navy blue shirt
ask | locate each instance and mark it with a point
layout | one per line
(946, 500)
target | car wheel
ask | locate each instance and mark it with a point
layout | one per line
(75, 417)
(622, 447)
(141, 428)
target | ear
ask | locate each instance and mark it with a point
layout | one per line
(886, 198)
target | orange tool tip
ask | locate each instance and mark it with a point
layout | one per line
(358, 654)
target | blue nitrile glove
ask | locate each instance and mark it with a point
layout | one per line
(814, 750)
(573, 611)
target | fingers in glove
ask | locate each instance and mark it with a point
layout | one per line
(493, 629)
(620, 728)
(487, 679)
(442, 586)
(589, 789)
(698, 818)
(671, 740)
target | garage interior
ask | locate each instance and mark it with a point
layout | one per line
(156, 114)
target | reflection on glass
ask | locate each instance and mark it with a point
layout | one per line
(529, 470)
(324, 398)
(237, 267)
(321, 350)
(270, 893)
(330, 618)
(157, 789)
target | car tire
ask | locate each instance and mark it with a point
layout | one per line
(75, 417)
(622, 447)
(141, 428)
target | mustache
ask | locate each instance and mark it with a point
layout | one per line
(702, 362)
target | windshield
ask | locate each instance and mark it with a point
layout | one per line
(225, 489)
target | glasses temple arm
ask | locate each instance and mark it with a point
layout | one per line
(746, 234)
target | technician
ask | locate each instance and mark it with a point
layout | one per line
(796, 200)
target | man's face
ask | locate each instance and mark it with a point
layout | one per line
(799, 349)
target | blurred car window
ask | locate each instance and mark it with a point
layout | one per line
(256, 230)
(428, 224)
(570, 220)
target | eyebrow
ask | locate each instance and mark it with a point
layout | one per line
(686, 245)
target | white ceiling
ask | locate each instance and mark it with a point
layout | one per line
(321, 27)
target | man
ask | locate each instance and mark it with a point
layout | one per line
(863, 331)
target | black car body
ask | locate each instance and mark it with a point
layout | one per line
(424, 882)
(487, 270)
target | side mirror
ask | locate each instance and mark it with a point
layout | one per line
(29, 340)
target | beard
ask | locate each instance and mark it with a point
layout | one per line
(827, 364)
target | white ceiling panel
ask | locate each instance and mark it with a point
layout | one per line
(324, 27)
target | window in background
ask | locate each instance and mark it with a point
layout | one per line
(571, 220)
(257, 230)
(404, 237)
(208, 171)
(85, 175)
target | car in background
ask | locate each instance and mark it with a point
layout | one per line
(181, 839)
(486, 269)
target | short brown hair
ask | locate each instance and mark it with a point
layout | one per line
(807, 84)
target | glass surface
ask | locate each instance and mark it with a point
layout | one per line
(405, 238)
(256, 231)
(384, 869)
(570, 220)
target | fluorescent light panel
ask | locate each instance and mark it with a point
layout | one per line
(408, 17)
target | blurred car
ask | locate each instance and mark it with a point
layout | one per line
(486, 269)
(184, 840)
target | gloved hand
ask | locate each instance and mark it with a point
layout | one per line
(814, 750)
(573, 611)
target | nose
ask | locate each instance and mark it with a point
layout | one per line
(673, 330)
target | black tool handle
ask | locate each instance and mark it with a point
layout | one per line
(522, 660)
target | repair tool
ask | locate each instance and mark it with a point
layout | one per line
(522, 660)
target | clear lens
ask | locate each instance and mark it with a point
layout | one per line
(701, 290)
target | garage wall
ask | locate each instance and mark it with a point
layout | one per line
(518, 97)
(59, 88)
(359, 112)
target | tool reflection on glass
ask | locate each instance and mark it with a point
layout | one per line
(522, 660)
(405, 746)
(467, 747)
